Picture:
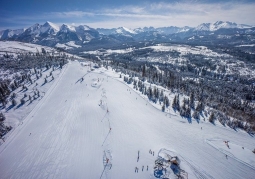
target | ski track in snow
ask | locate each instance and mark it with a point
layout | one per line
(31, 113)
(229, 153)
(71, 136)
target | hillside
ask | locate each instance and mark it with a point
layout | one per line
(90, 124)
(81, 38)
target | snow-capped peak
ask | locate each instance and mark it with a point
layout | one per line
(49, 26)
(8, 33)
(84, 27)
(52, 25)
(34, 29)
(66, 28)
(124, 30)
(220, 25)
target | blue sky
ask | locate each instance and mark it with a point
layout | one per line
(131, 13)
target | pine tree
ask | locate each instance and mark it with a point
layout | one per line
(178, 103)
(145, 90)
(192, 100)
(2, 117)
(143, 71)
(166, 101)
(196, 115)
(161, 96)
(200, 107)
(211, 118)
(183, 109)
(188, 112)
(22, 101)
(14, 102)
(13, 95)
(163, 107)
(149, 93)
(174, 103)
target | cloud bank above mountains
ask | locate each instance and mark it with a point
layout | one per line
(132, 15)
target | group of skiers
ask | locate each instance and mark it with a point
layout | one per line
(136, 168)
(151, 152)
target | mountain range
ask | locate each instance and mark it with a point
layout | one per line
(53, 35)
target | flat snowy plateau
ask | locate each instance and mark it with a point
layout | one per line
(91, 125)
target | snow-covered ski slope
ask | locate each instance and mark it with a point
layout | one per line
(70, 134)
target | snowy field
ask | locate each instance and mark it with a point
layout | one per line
(18, 47)
(182, 49)
(91, 125)
(15, 47)
(68, 45)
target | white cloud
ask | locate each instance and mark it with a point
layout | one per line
(70, 14)
(167, 14)
(191, 13)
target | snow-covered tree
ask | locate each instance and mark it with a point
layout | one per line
(196, 115)
(163, 107)
(22, 101)
(176, 103)
(14, 102)
(166, 101)
(200, 107)
(211, 118)
(2, 117)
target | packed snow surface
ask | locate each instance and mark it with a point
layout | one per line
(110, 51)
(17, 47)
(14, 48)
(64, 46)
(72, 44)
(91, 125)
(68, 45)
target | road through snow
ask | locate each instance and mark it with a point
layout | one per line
(73, 136)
